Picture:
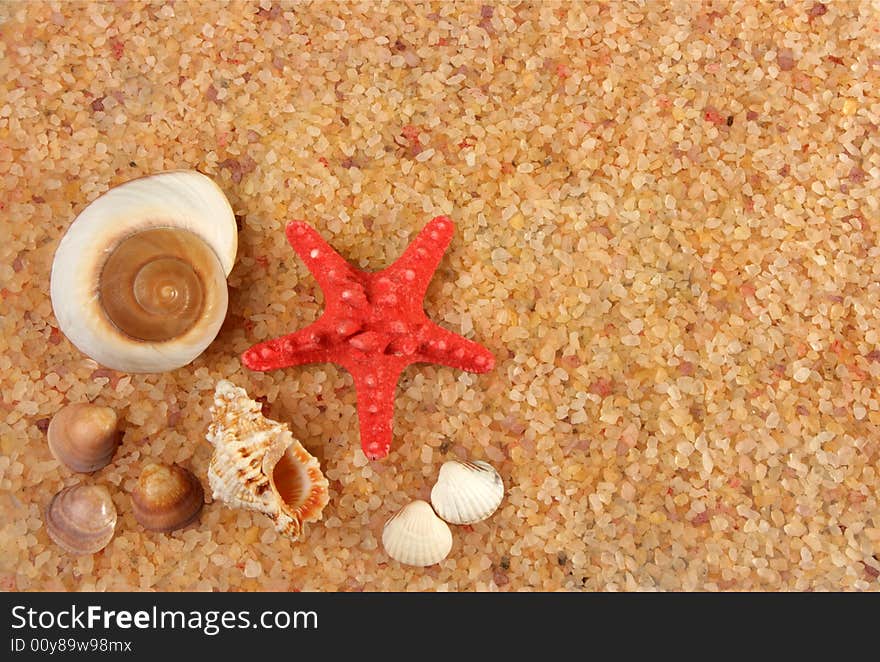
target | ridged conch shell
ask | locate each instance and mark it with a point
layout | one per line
(257, 464)
(416, 536)
(139, 280)
(467, 492)
(166, 497)
(81, 519)
(83, 436)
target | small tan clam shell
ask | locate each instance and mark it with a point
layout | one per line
(83, 436)
(416, 536)
(166, 497)
(257, 464)
(467, 492)
(81, 519)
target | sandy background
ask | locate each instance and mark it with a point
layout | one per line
(667, 218)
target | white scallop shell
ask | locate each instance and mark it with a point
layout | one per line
(183, 199)
(248, 450)
(416, 536)
(467, 492)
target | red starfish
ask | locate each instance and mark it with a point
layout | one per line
(373, 325)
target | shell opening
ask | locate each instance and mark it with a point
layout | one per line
(152, 286)
(290, 479)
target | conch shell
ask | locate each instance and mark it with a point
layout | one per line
(258, 465)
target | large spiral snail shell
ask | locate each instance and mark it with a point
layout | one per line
(139, 280)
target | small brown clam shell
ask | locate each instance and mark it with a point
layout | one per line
(166, 497)
(84, 436)
(81, 518)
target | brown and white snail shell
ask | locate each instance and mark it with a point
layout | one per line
(83, 436)
(166, 497)
(139, 280)
(258, 465)
(81, 519)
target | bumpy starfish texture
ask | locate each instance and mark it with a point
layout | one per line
(373, 325)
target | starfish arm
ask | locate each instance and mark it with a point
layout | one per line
(413, 270)
(375, 386)
(308, 345)
(450, 349)
(329, 268)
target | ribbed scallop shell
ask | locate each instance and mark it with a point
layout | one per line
(467, 492)
(416, 536)
(258, 465)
